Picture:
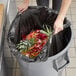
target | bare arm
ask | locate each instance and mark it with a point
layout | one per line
(58, 25)
(23, 6)
(26, 1)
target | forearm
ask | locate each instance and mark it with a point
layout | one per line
(26, 1)
(63, 10)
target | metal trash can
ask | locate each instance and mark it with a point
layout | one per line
(55, 62)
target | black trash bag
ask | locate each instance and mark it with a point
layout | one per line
(35, 18)
(60, 41)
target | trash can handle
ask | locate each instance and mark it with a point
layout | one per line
(61, 62)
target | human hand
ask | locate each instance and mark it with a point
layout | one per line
(22, 7)
(58, 26)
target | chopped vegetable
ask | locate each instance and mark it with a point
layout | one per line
(31, 45)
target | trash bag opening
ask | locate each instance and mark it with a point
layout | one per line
(33, 19)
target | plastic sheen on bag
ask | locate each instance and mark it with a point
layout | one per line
(35, 18)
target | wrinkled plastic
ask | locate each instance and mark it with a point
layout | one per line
(59, 41)
(35, 18)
